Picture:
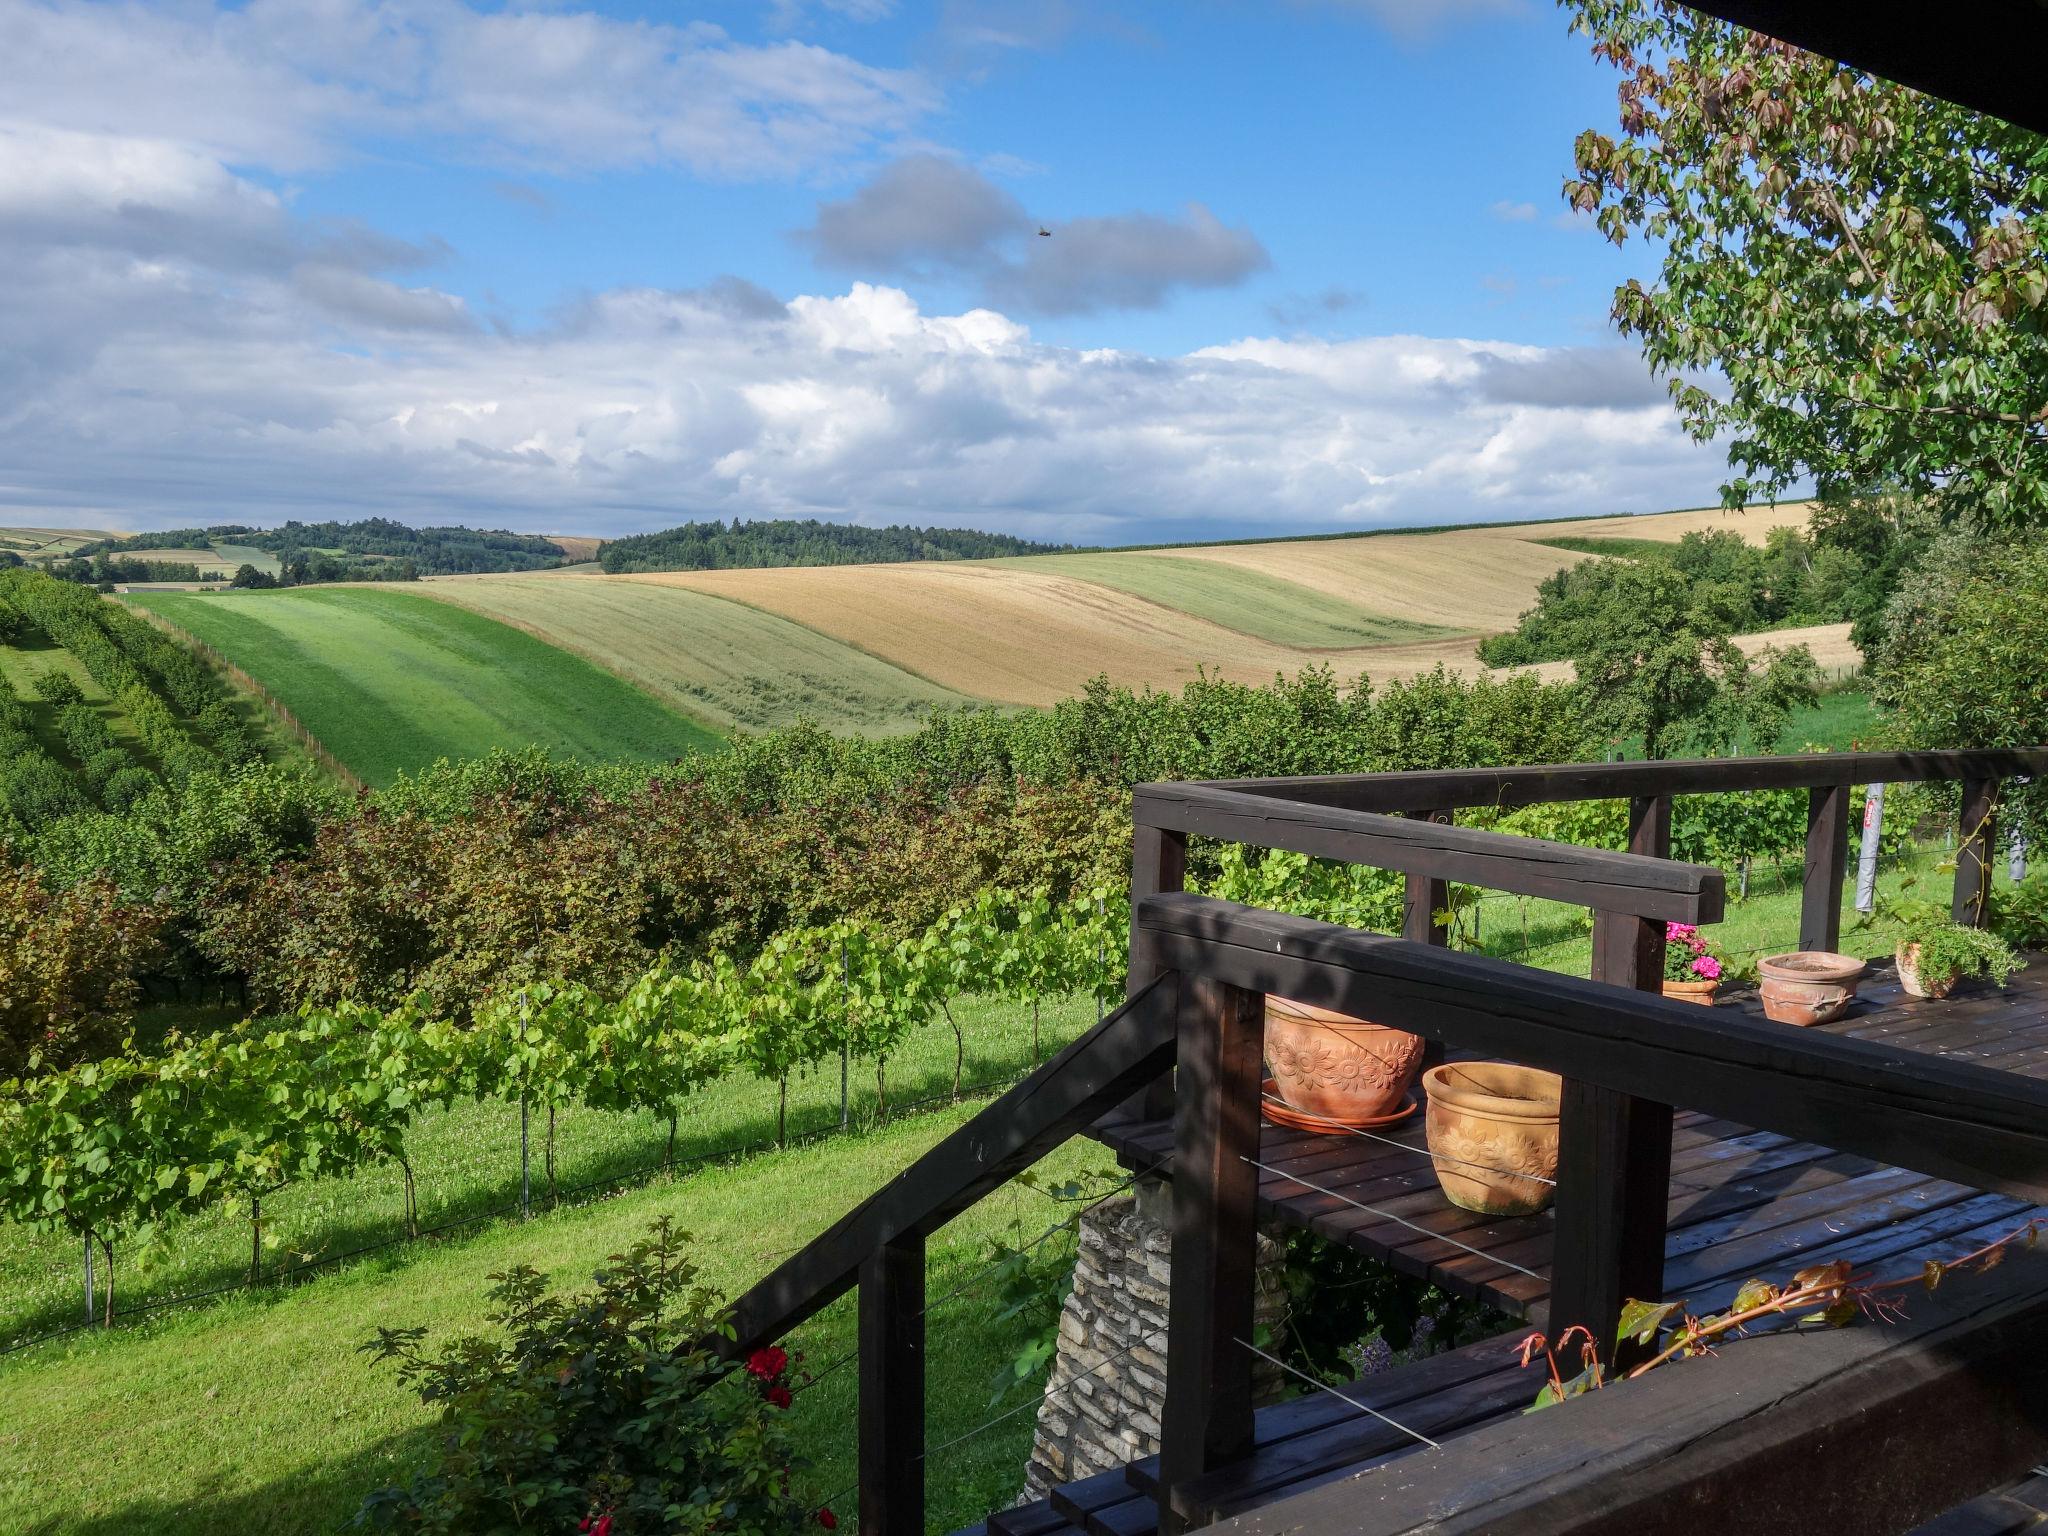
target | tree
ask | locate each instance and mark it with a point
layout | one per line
(1656, 663)
(1866, 267)
(1959, 664)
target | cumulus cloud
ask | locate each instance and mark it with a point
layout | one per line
(170, 390)
(922, 208)
(927, 214)
(285, 83)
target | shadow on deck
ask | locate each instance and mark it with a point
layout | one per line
(1742, 1204)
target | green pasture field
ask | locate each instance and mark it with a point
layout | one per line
(721, 661)
(390, 681)
(1250, 602)
(254, 1411)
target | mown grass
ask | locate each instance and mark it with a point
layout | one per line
(390, 681)
(1238, 598)
(252, 1410)
(1556, 937)
(729, 663)
(257, 1413)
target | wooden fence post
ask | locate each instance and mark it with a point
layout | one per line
(1974, 837)
(1207, 1418)
(1159, 862)
(1421, 900)
(1827, 855)
(892, 1389)
(1614, 1150)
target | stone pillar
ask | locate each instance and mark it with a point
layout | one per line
(1108, 1380)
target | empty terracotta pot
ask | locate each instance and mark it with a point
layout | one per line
(1809, 986)
(1337, 1067)
(1918, 982)
(1493, 1135)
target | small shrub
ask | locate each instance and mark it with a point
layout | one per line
(57, 688)
(598, 1412)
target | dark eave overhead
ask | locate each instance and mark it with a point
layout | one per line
(1989, 55)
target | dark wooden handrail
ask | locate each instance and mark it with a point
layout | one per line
(1630, 884)
(1063, 1097)
(1934, 1115)
(1507, 788)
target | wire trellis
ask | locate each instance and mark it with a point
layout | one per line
(614, 1182)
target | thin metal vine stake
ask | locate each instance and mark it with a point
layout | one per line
(525, 1165)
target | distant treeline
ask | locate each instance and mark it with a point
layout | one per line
(782, 541)
(366, 550)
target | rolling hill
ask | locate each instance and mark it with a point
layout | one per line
(650, 665)
(390, 680)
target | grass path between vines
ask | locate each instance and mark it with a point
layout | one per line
(257, 1413)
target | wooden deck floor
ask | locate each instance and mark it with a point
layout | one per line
(1743, 1203)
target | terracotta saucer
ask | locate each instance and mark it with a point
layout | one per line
(1300, 1120)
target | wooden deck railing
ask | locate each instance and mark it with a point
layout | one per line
(1200, 969)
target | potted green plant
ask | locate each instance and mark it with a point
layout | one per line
(1692, 969)
(1935, 953)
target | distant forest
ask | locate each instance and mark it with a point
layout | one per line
(343, 551)
(738, 545)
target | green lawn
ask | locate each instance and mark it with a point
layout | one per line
(1558, 937)
(390, 681)
(1842, 722)
(253, 1410)
(1247, 601)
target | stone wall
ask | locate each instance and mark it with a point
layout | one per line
(1108, 1380)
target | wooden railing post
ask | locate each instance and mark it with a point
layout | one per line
(892, 1389)
(1207, 1419)
(1421, 900)
(1972, 904)
(1827, 860)
(1159, 862)
(1614, 1150)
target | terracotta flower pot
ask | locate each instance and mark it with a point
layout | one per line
(1918, 983)
(1701, 992)
(1334, 1066)
(1808, 986)
(1490, 1126)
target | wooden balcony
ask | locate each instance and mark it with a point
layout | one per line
(1698, 1147)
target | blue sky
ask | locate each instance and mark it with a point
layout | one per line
(601, 268)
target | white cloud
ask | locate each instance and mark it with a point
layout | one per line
(1512, 212)
(162, 390)
(287, 83)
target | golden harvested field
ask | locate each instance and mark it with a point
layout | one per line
(1020, 632)
(870, 647)
(576, 546)
(1477, 579)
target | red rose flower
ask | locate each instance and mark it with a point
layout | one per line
(778, 1396)
(828, 1520)
(767, 1363)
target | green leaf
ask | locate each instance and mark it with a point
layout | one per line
(1641, 1321)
